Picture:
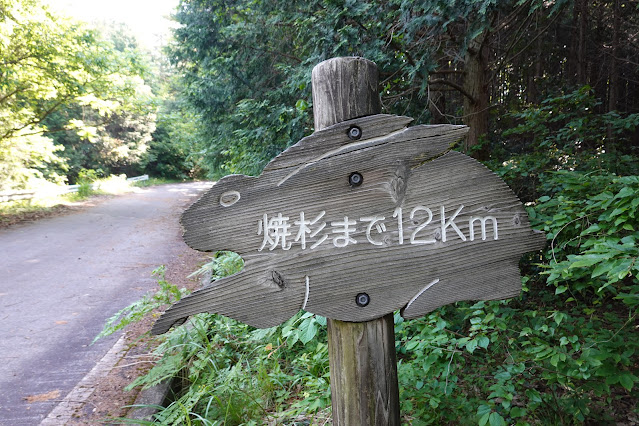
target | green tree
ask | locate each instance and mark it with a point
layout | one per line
(114, 141)
(53, 67)
(247, 64)
(174, 151)
(552, 93)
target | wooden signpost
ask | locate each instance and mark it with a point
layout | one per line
(364, 217)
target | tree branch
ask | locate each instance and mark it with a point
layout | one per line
(454, 86)
(510, 18)
(447, 72)
(275, 53)
(8, 95)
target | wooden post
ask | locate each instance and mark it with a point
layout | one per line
(362, 355)
(359, 163)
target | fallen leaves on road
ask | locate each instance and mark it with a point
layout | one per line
(43, 396)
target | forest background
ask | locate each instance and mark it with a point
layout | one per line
(550, 90)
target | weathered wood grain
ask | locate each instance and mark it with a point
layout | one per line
(427, 226)
(334, 137)
(308, 181)
(344, 88)
(363, 367)
(407, 169)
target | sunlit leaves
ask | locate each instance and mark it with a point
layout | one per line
(53, 66)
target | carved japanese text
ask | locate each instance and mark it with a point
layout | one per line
(280, 231)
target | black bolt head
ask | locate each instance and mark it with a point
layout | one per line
(362, 299)
(354, 133)
(355, 179)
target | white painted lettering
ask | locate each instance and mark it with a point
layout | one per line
(379, 226)
(483, 221)
(304, 228)
(344, 229)
(308, 291)
(400, 225)
(429, 285)
(421, 226)
(451, 223)
(276, 230)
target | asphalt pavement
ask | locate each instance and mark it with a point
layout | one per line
(62, 277)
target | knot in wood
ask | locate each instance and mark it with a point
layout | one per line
(516, 220)
(398, 184)
(278, 279)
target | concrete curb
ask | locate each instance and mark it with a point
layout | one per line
(65, 410)
(148, 400)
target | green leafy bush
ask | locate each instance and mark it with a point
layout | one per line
(86, 177)
(565, 132)
(593, 226)
(565, 352)
(235, 375)
(167, 294)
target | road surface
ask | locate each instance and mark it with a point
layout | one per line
(62, 277)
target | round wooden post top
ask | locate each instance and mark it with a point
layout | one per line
(344, 88)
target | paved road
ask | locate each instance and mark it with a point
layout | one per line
(60, 278)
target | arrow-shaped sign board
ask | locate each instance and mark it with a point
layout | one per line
(356, 221)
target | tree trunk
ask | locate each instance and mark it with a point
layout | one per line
(577, 74)
(613, 85)
(614, 70)
(535, 77)
(581, 44)
(476, 99)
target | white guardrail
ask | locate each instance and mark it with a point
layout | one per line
(67, 189)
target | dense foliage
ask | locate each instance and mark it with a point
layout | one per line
(69, 97)
(246, 66)
(75, 96)
(174, 151)
(550, 90)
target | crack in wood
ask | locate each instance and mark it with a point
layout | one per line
(356, 146)
(431, 158)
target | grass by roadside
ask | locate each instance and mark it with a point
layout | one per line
(19, 211)
(225, 372)
(110, 400)
(152, 181)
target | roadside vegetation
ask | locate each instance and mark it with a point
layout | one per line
(78, 97)
(550, 90)
(81, 104)
(47, 201)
